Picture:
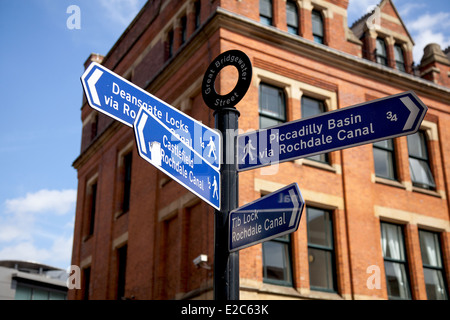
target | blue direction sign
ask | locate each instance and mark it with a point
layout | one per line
(120, 99)
(157, 144)
(266, 218)
(376, 120)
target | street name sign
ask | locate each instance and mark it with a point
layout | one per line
(120, 99)
(271, 216)
(160, 146)
(376, 120)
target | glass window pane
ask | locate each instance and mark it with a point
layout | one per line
(417, 145)
(292, 30)
(421, 173)
(57, 296)
(311, 107)
(39, 294)
(318, 39)
(396, 281)
(265, 21)
(320, 157)
(399, 59)
(432, 265)
(291, 14)
(276, 261)
(272, 107)
(400, 66)
(385, 144)
(317, 23)
(381, 51)
(381, 47)
(395, 261)
(22, 293)
(384, 163)
(265, 122)
(434, 283)
(319, 227)
(398, 53)
(430, 249)
(320, 269)
(392, 242)
(292, 17)
(265, 11)
(265, 7)
(272, 101)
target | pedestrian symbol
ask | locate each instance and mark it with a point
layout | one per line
(214, 185)
(248, 151)
(212, 148)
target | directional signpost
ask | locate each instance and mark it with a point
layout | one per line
(120, 99)
(158, 145)
(266, 218)
(376, 120)
(190, 152)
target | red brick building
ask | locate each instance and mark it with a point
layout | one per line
(376, 223)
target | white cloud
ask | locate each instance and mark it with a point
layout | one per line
(57, 201)
(428, 28)
(9, 232)
(25, 250)
(39, 227)
(58, 254)
(430, 21)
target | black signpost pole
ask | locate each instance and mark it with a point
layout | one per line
(226, 264)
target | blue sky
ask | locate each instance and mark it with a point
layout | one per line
(41, 61)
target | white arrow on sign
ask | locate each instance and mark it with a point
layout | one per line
(414, 112)
(140, 129)
(295, 209)
(92, 81)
